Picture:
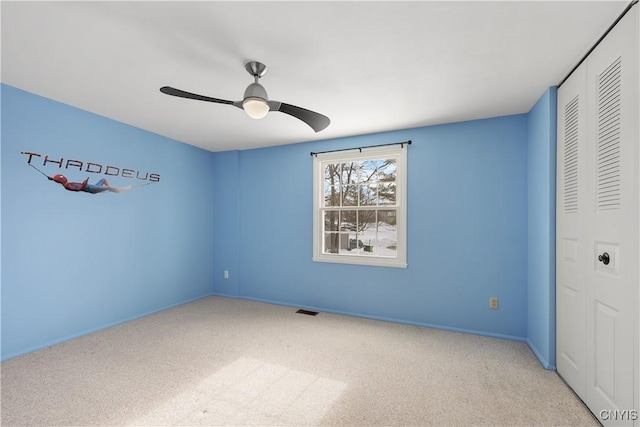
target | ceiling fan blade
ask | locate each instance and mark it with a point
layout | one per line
(183, 94)
(317, 121)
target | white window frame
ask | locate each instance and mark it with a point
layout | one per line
(397, 152)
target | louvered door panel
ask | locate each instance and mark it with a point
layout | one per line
(570, 246)
(608, 138)
(570, 135)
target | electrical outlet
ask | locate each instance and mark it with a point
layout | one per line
(226, 274)
(493, 303)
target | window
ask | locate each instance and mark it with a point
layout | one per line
(360, 206)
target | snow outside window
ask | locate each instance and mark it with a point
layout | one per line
(360, 206)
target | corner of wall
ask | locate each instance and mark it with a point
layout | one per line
(226, 192)
(547, 364)
(541, 162)
(553, 143)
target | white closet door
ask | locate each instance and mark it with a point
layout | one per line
(598, 223)
(612, 218)
(571, 256)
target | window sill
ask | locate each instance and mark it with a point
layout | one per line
(354, 260)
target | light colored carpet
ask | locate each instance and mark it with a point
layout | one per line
(220, 361)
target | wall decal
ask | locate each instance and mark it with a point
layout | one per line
(92, 167)
(101, 185)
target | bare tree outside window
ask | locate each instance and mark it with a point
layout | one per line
(353, 193)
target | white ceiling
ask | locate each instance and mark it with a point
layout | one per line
(368, 66)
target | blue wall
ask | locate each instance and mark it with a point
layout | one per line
(226, 184)
(467, 228)
(541, 296)
(480, 224)
(73, 262)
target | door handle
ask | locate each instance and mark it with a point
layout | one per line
(604, 258)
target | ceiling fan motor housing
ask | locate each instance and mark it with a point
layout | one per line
(255, 90)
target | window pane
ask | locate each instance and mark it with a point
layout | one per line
(387, 193)
(350, 195)
(349, 173)
(368, 195)
(331, 195)
(331, 220)
(344, 243)
(355, 243)
(387, 171)
(331, 185)
(366, 220)
(367, 231)
(336, 243)
(387, 217)
(332, 173)
(387, 234)
(369, 171)
(331, 243)
(348, 221)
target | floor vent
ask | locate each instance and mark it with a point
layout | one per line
(307, 312)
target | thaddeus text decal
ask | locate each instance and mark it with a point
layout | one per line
(56, 169)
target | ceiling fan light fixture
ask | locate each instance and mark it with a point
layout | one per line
(255, 100)
(256, 108)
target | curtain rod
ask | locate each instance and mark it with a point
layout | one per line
(360, 148)
(624, 12)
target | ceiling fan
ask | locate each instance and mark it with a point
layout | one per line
(256, 102)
